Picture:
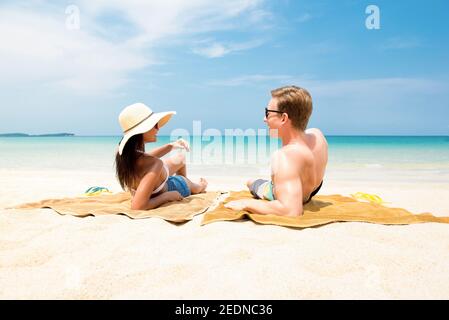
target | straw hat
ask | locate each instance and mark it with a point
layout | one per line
(138, 118)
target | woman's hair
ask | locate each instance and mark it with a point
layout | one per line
(125, 164)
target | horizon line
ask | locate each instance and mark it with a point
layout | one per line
(49, 135)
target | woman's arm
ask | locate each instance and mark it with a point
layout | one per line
(161, 199)
(142, 199)
(162, 151)
(146, 186)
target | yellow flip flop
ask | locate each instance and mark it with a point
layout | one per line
(372, 198)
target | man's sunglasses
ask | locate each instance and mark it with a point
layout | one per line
(268, 111)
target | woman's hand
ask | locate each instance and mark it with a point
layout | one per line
(172, 196)
(180, 144)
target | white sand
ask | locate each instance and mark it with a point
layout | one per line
(44, 255)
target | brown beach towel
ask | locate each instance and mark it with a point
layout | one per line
(120, 203)
(323, 210)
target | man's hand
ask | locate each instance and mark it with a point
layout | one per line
(237, 205)
(180, 144)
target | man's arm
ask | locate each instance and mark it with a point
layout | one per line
(274, 207)
(288, 191)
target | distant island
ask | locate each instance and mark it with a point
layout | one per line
(13, 135)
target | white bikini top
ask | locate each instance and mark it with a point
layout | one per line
(161, 186)
(163, 183)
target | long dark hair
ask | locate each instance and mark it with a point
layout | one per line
(125, 164)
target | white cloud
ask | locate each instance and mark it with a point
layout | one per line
(38, 49)
(401, 43)
(217, 50)
(384, 88)
(157, 19)
(263, 18)
(247, 80)
(395, 105)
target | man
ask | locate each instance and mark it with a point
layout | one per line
(297, 169)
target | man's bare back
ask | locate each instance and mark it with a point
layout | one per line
(309, 159)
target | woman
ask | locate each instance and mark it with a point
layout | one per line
(151, 180)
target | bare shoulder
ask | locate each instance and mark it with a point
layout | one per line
(314, 131)
(317, 133)
(147, 163)
(292, 156)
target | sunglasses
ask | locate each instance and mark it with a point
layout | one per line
(268, 111)
(157, 126)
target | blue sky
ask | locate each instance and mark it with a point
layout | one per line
(216, 61)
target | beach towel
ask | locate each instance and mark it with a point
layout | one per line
(120, 203)
(322, 210)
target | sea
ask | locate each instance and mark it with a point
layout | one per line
(408, 158)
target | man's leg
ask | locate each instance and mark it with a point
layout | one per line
(260, 188)
(249, 183)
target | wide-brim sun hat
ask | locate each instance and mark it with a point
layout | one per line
(139, 118)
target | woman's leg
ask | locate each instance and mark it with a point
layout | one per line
(176, 164)
(196, 187)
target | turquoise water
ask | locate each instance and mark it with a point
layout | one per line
(389, 150)
(97, 153)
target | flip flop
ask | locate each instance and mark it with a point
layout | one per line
(94, 191)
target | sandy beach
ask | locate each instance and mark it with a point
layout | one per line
(354, 90)
(44, 255)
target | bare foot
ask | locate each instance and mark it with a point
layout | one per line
(200, 186)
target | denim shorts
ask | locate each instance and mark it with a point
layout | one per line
(177, 183)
